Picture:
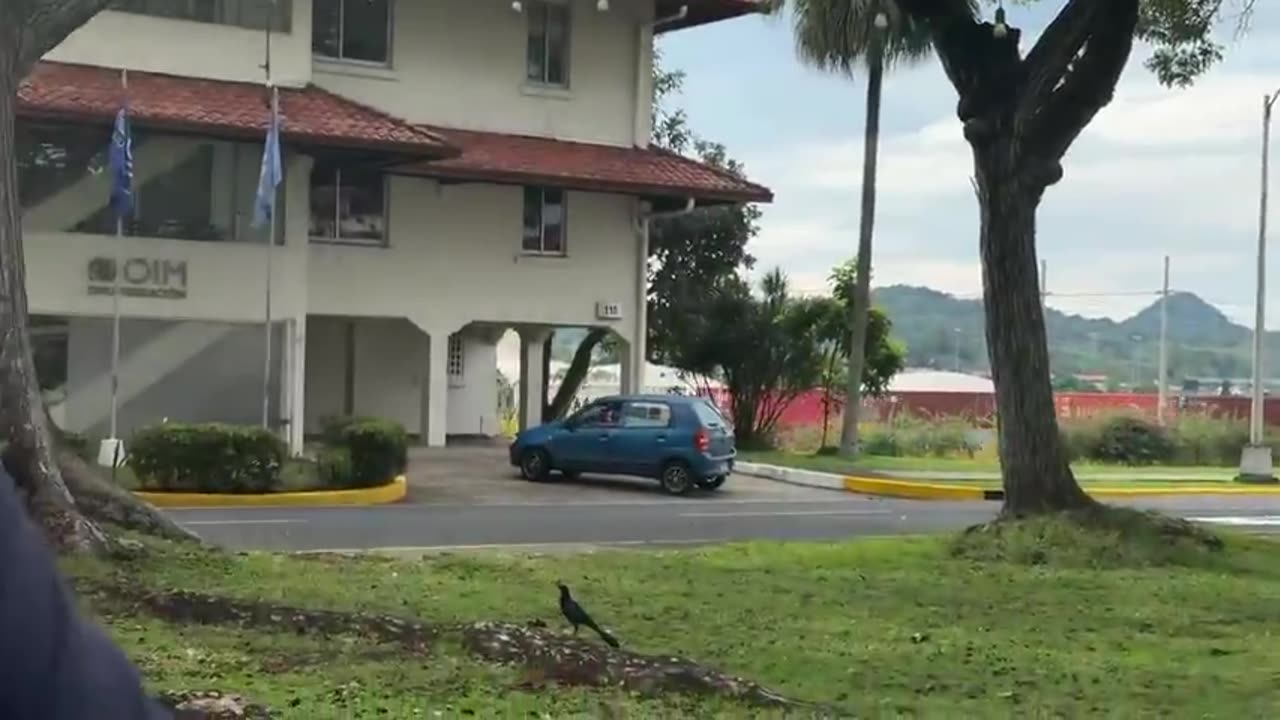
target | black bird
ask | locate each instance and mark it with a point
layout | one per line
(577, 617)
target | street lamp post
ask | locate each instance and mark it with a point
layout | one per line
(1255, 459)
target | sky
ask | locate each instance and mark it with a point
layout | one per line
(1159, 172)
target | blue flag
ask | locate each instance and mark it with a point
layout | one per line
(120, 159)
(264, 205)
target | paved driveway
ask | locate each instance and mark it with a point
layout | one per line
(482, 476)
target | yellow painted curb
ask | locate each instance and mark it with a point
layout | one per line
(1190, 490)
(938, 491)
(392, 492)
(918, 490)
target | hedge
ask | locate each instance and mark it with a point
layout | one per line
(210, 457)
(376, 450)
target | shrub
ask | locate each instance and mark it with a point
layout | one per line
(1202, 439)
(210, 457)
(334, 468)
(378, 450)
(1131, 440)
(909, 436)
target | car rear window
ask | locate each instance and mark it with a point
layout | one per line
(708, 415)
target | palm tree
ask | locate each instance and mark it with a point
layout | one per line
(846, 36)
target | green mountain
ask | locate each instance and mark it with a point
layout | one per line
(946, 332)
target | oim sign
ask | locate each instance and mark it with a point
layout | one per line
(139, 277)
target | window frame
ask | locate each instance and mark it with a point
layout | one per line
(342, 25)
(456, 360)
(544, 82)
(542, 222)
(646, 404)
(337, 215)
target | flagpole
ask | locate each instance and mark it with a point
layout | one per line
(271, 238)
(115, 316)
(271, 242)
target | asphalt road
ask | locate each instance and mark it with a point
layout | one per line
(636, 515)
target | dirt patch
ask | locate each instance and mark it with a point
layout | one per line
(548, 657)
(180, 606)
(212, 705)
(553, 658)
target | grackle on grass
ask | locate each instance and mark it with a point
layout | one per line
(577, 617)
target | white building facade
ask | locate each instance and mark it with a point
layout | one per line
(454, 170)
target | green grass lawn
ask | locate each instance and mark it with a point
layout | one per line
(879, 628)
(1090, 472)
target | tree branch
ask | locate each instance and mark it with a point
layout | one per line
(986, 70)
(1048, 62)
(48, 23)
(1088, 86)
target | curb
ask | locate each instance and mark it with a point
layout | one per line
(885, 487)
(392, 492)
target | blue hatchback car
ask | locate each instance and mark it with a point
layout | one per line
(682, 442)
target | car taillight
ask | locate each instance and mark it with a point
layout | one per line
(702, 441)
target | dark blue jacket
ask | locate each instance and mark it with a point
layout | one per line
(54, 665)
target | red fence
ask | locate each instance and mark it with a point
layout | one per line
(806, 410)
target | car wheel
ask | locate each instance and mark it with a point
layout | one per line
(535, 465)
(676, 478)
(712, 483)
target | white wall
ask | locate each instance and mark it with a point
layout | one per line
(461, 63)
(221, 382)
(454, 257)
(184, 47)
(473, 400)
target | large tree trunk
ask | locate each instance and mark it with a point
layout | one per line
(574, 376)
(860, 308)
(30, 452)
(1033, 461)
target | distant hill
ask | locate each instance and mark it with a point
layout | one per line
(1202, 341)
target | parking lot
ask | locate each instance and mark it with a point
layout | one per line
(482, 476)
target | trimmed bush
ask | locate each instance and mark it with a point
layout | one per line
(1130, 440)
(213, 458)
(378, 450)
(333, 467)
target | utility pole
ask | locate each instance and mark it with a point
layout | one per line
(1162, 400)
(1255, 459)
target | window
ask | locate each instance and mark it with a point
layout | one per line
(543, 221)
(708, 415)
(648, 415)
(547, 60)
(252, 14)
(185, 188)
(348, 205)
(599, 415)
(357, 30)
(455, 357)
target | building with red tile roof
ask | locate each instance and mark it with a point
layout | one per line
(454, 170)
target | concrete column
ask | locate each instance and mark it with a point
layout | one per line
(435, 385)
(435, 390)
(296, 382)
(640, 335)
(627, 372)
(532, 382)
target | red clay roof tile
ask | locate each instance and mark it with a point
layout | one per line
(311, 115)
(521, 159)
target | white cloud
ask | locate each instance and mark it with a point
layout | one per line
(1158, 172)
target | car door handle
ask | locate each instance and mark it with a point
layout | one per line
(662, 438)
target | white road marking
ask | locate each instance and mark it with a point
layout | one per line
(275, 521)
(784, 513)
(1243, 521)
(510, 546)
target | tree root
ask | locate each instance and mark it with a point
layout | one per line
(550, 658)
(101, 500)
